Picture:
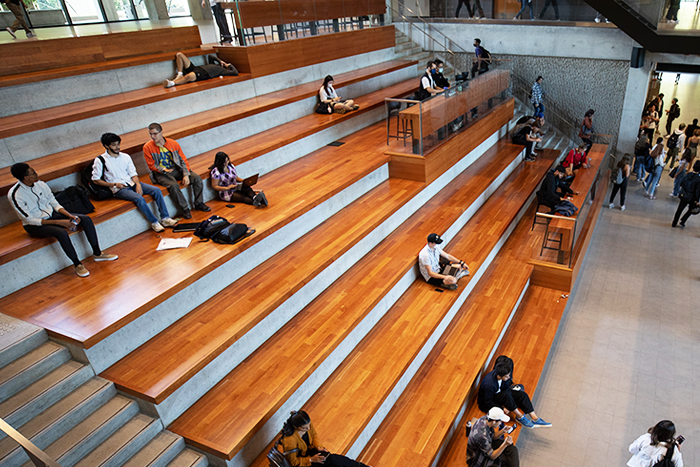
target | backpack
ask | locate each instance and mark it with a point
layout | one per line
(667, 461)
(75, 200)
(324, 108)
(649, 163)
(672, 140)
(232, 233)
(210, 227)
(618, 177)
(485, 55)
(98, 191)
(565, 208)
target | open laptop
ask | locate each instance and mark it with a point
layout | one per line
(252, 180)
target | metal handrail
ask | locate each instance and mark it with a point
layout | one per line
(38, 457)
(427, 24)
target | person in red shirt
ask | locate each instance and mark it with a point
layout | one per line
(576, 159)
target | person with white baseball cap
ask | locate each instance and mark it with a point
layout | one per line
(431, 269)
(489, 443)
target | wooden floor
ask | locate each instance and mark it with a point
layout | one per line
(84, 311)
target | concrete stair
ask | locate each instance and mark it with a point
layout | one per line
(407, 49)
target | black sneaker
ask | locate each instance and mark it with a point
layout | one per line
(450, 286)
(202, 207)
(186, 214)
(263, 199)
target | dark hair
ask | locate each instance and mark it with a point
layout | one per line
(560, 168)
(108, 139)
(429, 64)
(641, 142)
(539, 78)
(437, 62)
(477, 40)
(155, 126)
(297, 419)
(589, 113)
(327, 80)
(624, 160)
(687, 155)
(219, 159)
(659, 140)
(681, 126)
(501, 369)
(661, 95)
(505, 360)
(19, 170)
(662, 432)
(696, 166)
(695, 121)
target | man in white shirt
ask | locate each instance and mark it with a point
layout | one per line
(427, 84)
(121, 177)
(42, 216)
(430, 268)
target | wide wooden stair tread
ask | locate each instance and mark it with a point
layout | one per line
(420, 421)
(223, 420)
(73, 160)
(156, 369)
(528, 340)
(86, 311)
(348, 400)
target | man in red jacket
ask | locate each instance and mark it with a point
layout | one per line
(169, 167)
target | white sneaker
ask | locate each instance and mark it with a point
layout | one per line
(157, 227)
(622, 208)
(179, 75)
(168, 83)
(12, 33)
(611, 205)
(168, 222)
(30, 34)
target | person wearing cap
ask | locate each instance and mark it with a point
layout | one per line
(490, 445)
(497, 390)
(430, 268)
(42, 216)
(553, 190)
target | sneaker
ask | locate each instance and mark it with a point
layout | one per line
(682, 226)
(463, 273)
(525, 421)
(186, 214)
(157, 227)
(355, 107)
(30, 34)
(450, 287)
(539, 423)
(622, 208)
(105, 257)
(12, 33)
(264, 198)
(611, 205)
(168, 83)
(168, 222)
(81, 271)
(202, 207)
(257, 200)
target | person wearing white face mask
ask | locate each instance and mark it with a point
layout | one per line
(438, 77)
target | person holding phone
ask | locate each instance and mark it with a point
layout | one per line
(490, 445)
(655, 444)
(299, 433)
(327, 95)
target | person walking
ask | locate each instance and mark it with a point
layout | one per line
(641, 151)
(689, 196)
(653, 177)
(554, 5)
(525, 4)
(17, 9)
(619, 179)
(654, 445)
(537, 96)
(671, 114)
(220, 17)
(684, 165)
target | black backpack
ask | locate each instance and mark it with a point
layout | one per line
(485, 55)
(649, 163)
(232, 233)
(667, 460)
(210, 227)
(98, 191)
(672, 141)
(75, 200)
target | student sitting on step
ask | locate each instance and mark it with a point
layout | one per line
(187, 72)
(489, 444)
(527, 135)
(328, 95)
(553, 190)
(497, 390)
(431, 269)
(230, 186)
(42, 216)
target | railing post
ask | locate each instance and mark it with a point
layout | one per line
(38, 457)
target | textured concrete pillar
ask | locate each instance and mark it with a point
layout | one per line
(635, 95)
(198, 12)
(157, 9)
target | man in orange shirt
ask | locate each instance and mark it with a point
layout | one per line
(169, 167)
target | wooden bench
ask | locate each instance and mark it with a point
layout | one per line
(73, 160)
(223, 420)
(528, 342)
(379, 362)
(14, 242)
(421, 421)
(141, 278)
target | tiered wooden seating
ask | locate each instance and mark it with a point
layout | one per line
(223, 420)
(72, 160)
(527, 341)
(341, 410)
(87, 310)
(14, 242)
(420, 422)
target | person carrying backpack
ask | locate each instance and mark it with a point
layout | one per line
(655, 166)
(482, 59)
(674, 143)
(650, 449)
(619, 179)
(689, 197)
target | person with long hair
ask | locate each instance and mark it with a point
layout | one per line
(681, 171)
(689, 196)
(641, 151)
(586, 132)
(299, 433)
(620, 176)
(226, 181)
(653, 445)
(653, 177)
(328, 95)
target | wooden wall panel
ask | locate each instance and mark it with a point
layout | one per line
(41, 55)
(267, 59)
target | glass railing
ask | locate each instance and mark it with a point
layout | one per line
(415, 127)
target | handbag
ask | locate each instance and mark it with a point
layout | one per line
(673, 172)
(324, 108)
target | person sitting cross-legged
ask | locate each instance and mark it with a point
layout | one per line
(497, 390)
(489, 444)
(42, 216)
(431, 269)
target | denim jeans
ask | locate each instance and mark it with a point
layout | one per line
(677, 184)
(526, 4)
(129, 194)
(539, 108)
(639, 167)
(653, 178)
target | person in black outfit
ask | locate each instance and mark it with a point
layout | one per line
(220, 17)
(497, 390)
(188, 72)
(438, 77)
(527, 136)
(481, 61)
(553, 190)
(690, 195)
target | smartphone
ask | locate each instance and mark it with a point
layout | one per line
(230, 205)
(511, 428)
(680, 439)
(439, 290)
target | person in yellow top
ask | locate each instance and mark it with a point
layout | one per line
(299, 433)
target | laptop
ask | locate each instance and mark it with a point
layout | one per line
(252, 180)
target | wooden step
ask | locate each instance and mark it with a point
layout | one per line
(421, 422)
(228, 416)
(15, 243)
(527, 341)
(85, 311)
(73, 160)
(342, 412)
(163, 364)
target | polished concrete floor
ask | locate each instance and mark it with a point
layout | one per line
(687, 91)
(627, 352)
